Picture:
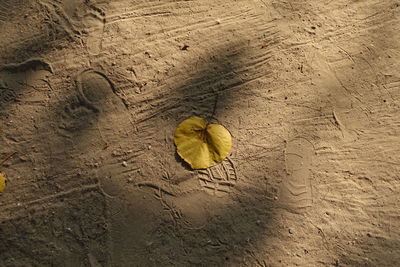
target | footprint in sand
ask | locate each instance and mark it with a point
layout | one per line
(98, 105)
(80, 16)
(88, 19)
(295, 191)
(93, 23)
(26, 81)
(219, 179)
(97, 92)
(96, 122)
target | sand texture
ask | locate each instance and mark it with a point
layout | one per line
(91, 93)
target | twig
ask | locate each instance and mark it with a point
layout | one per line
(7, 158)
(215, 107)
(347, 54)
(338, 124)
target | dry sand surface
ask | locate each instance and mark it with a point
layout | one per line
(92, 91)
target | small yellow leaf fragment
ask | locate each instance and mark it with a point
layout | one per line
(200, 144)
(2, 182)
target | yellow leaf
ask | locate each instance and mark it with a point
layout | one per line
(200, 144)
(2, 182)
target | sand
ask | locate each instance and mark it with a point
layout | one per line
(92, 91)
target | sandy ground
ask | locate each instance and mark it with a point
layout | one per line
(90, 95)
